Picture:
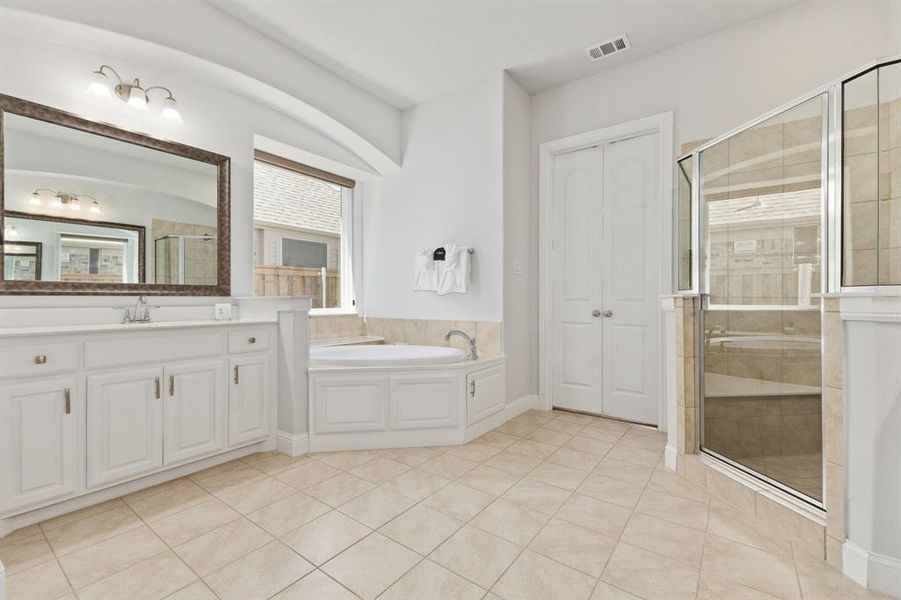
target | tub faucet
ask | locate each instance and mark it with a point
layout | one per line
(473, 355)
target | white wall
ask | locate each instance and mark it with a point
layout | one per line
(449, 189)
(520, 247)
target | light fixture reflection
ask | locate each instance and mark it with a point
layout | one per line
(100, 84)
(170, 110)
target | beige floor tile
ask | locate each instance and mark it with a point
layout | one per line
(534, 577)
(412, 456)
(416, 484)
(574, 459)
(339, 489)
(20, 553)
(587, 445)
(671, 482)
(623, 471)
(379, 470)
(642, 442)
(601, 434)
(819, 580)
(520, 430)
(260, 574)
(154, 578)
(728, 522)
(221, 478)
(549, 436)
(602, 517)
(535, 450)
(511, 462)
(574, 546)
(43, 582)
(90, 530)
(476, 555)
(488, 479)
(751, 567)
(90, 511)
(195, 591)
(496, 439)
(473, 451)
(421, 528)
(513, 522)
(221, 546)
(537, 496)
(611, 490)
(717, 588)
(288, 513)
(273, 462)
(429, 581)
(315, 586)
(346, 460)
(254, 495)
(665, 537)
(110, 556)
(307, 474)
(447, 466)
(635, 456)
(459, 501)
(650, 575)
(371, 565)
(563, 426)
(574, 417)
(376, 507)
(605, 591)
(558, 476)
(192, 522)
(674, 508)
(166, 499)
(613, 424)
(325, 537)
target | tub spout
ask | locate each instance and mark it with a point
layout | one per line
(473, 355)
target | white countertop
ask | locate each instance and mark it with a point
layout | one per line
(10, 332)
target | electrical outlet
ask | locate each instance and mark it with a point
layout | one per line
(517, 267)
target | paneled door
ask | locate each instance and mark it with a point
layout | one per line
(605, 250)
(248, 399)
(195, 410)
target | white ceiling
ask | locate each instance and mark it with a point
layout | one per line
(406, 51)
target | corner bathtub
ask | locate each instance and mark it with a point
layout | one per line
(392, 396)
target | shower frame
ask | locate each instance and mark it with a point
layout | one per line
(831, 239)
(181, 250)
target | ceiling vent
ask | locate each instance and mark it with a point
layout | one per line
(611, 46)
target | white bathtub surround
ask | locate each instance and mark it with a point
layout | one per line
(401, 355)
(872, 422)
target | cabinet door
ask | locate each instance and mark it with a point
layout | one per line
(125, 417)
(485, 393)
(248, 399)
(39, 442)
(194, 411)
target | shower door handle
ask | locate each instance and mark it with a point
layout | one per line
(608, 314)
(595, 313)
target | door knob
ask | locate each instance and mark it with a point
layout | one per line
(608, 313)
(595, 313)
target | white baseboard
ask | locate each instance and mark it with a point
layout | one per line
(876, 572)
(669, 456)
(292, 444)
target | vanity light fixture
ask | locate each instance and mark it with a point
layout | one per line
(68, 199)
(133, 94)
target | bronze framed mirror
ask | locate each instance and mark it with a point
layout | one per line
(87, 208)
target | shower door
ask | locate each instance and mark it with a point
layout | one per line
(762, 217)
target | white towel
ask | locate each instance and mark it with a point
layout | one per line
(454, 270)
(425, 275)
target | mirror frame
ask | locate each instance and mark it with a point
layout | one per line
(32, 110)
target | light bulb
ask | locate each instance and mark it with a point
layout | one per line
(100, 84)
(95, 207)
(74, 205)
(170, 110)
(35, 199)
(137, 98)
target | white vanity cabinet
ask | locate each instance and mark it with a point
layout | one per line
(249, 399)
(484, 393)
(39, 433)
(195, 410)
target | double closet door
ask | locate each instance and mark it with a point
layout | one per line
(605, 279)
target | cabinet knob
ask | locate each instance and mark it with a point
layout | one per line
(40, 359)
(252, 340)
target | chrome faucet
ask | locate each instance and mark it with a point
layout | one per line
(139, 314)
(473, 355)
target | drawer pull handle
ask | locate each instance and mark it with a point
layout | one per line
(472, 389)
(252, 340)
(171, 385)
(156, 387)
(68, 398)
(40, 359)
(236, 373)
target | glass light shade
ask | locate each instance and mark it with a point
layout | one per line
(137, 98)
(56, 203)
(35, 199)
(74, 205)
(11, 232)
(170, 110)
(95, 207)
(100, 84)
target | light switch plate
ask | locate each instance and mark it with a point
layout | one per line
(517, 267)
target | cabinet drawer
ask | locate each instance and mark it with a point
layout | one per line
(151, 348)
(38, 359)
(248, 340)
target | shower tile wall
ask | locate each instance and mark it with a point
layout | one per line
(200, 257)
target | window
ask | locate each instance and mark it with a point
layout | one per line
(92, 259)
(302, 233)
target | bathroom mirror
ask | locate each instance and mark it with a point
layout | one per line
(88, 208)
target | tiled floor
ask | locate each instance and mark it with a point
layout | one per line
(548, 506)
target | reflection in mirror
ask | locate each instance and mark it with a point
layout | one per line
(78, 207)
